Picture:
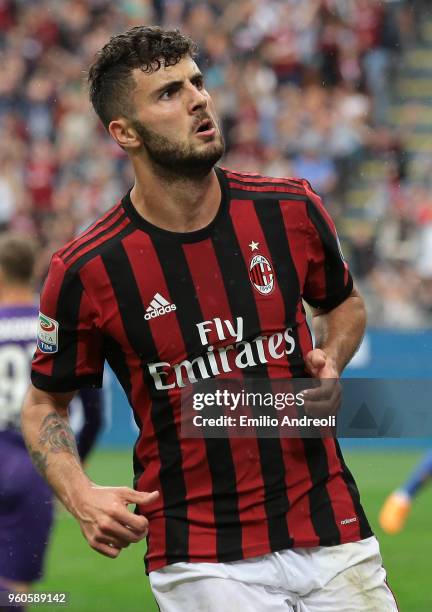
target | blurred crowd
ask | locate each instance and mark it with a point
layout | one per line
(303, 88)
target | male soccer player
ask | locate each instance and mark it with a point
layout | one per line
(397, 506)
(26, 508)
(93, 407)
(199, 272)
(26, 504)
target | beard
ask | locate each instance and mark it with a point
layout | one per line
(174, 159)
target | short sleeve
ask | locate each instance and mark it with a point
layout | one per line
(69, 344)
(328, 280)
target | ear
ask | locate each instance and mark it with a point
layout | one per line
(124, 134)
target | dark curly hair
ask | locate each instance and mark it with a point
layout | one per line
(145, 47)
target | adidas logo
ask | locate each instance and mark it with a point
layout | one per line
(158, 307)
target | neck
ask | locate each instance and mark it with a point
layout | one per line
(15, 294)
(175, 203)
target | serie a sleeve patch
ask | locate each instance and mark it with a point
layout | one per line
(47, 334)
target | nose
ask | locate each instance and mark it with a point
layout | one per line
(198, 99)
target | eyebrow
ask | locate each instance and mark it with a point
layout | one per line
(176, 83)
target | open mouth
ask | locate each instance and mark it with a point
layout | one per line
(205, 126)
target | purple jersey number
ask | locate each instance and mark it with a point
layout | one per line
(18, 326)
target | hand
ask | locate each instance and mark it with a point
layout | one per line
(105, 520)
(325, 399)
(320, 365)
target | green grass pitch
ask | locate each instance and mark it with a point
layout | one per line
(97, 583)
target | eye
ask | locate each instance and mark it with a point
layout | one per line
(168, 93)
(198, 82)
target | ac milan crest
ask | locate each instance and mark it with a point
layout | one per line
(261, 274)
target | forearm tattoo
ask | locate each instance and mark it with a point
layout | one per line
(39, 460)
(56, 436)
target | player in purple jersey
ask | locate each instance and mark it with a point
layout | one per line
(92, 405)
(26, 502)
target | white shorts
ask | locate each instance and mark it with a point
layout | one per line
(345, 578)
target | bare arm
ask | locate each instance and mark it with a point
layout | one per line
(338, 332)
(51, 443)
(102, 512)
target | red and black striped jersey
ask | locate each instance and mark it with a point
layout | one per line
(167, 309)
